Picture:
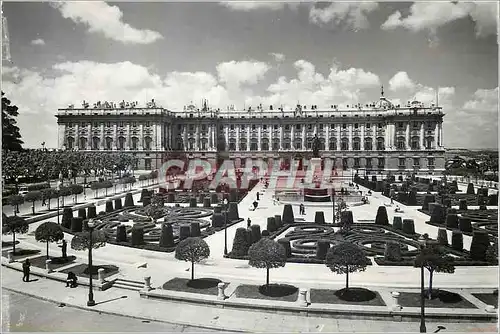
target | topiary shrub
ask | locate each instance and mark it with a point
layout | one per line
(408, 226)
(392, 251)
(167, 235)
(47, 232)
(66, 217)
(286, 245)
(249, 236)
(279, 223)
(214, 199)
(144, 193)
(479, 245)
(397, 223)
(109, 206)
(129, 200)
(322, 248)
(412, 196)
(493, 199)
(256, 235)
(470, 189)
(346, 258)
(184, 232)
(319, 217)
(240, 242)
(265, 233)
(430, 188)
(91, 212)
(121, 233)
(287, 216)
(428, 198)
(266, 254)
(137, 235)
(464, 224)
(218, 220)
(447, 203)
(118, 204)
(271, 224)
(381, 218)
(457, 240)
(82, 213)
(451, 221)
(492, 254)
(218, 209)
(192, 202)
(76, 224)
(442, 237)
(438, 214)
(195, 229)
(170, 197)
(206, 202)
(232, 213)
(146, 201)
(233, 196)
(462, 204)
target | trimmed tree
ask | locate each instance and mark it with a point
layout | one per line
(192, 250)
(49, 232)
(167, 235)
(434, 259)
(470, 189)
(32, 197)
(392, 251)
(15, 201)
(346, 258)
(81, 242)
(240, 242)
(479, 245)
(76, 189)
(287, 217)
(13, 225)
(381, 218)
(267, 254)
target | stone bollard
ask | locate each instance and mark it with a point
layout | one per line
(490, 309)
(221, 291)
(100, 275)
(147, 283)
(11, 257)
(395, 299)
(302, 301)
(48, 266)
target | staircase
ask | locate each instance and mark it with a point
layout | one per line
(128, 284)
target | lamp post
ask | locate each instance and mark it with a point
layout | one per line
(423, 242)
(225, 225)
(91, 301)
(333, 205)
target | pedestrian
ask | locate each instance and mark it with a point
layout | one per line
(44, 202)
(64, 248)
(249, 222)
(26, 270)
(71, 280)
(255, 204)
(258, 196)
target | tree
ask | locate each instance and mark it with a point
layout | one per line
(434, 259)
(13, 225)
(15, 201)
(32, 197)
(63, 192)
(267, 253)
(81, 242)
(346, 258)
(76, 189)
(49, 232)
(11, 138)
(48, 194)
(193, 249)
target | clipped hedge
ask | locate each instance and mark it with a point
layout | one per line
(170, 197)
(218, 220)
(271, 224)
(66, 218)
(137, 235)
(109, 206)
(184, 232)
(82, 213)
(470, 189)
(408, 226)
(322, 248)
(214, 199)
(464, 224)
(233, 213)
(412, 196)
(118, 204)
(256, 235)
(462, 204)
(166, 235)
(121, 233)
(438, 214)
(286, 245)
(146, 201)
(397, 223)
(192, 202)
(442, 237)
(76, 224)
(129, 200)
(241, 243)
(479, 245)
(451, 221)
(392, 251)
(287, 216)
(279, 223)
(195, 229)
(206, 202)
(381, 218)
(428, 198)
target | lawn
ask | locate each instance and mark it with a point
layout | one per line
(281, 292)
(81, 270)
(206, 286)
(440, 299)
(57, 262)
(487, 298)
(20, 252)
(355, 296)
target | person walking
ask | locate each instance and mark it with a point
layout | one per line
(258, 196)
(64, 248)
(26, 270)
(249, 222)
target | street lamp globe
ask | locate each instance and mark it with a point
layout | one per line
(91, 223)
(225, 201)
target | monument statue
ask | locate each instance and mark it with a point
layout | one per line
(315, 146)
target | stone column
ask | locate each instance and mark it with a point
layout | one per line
(221, 291)
(338, 137)
(100, 275)
(408, 144)
(395, 301)
(185, 137)
(281, 137)
(436, 136)
(292, 137)
(362, 137)
(102, 142)
(197, 137)
(115, 136)
(238, 129)
(259, 136)
(302, 300)
(248, 137)
(141, 137)
(77, 136)
(422, 137)
(48, 266)
(147, 283)
(304, 139)
(350, 129)
(89, 136)
(327, 137)
(441, 139)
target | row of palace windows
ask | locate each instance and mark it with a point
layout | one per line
(108, 143)
(416, 162)
(109, 124)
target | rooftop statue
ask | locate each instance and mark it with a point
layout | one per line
(315, 146)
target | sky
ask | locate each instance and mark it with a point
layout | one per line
(247, 53)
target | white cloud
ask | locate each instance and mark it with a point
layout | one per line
(236, 73)
(483, 100)
(38, 41)
(350, 15)
(429, 16)
(279, 57)
(401, 81)
(100, 17)
(253, 5)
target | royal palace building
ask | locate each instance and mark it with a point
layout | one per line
(372, 138)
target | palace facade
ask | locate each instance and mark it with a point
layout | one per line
(374, 137)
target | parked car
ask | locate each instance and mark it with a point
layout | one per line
(23, 190)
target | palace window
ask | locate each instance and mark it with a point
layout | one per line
(332, 126)
(344, 126)
(254, 145)
(356, 125)
(379, 125)
(83, 143)
(321, 126)
(147, 143)
(275, 126)
(368, 144)
(121, 143)
(265, 144)
(345, 163)
(400, 125)
(333, 145)
(380, 144)
(381, 162)
(430, 162)
(297, 127)
(276, 144)
(203, 127)
(344, 144)
(95, 143)
(416, 161)
(147, 164)
(287, 127)
(368, 162)
(232, 127)
(109, 143)
(401, 143)
(242, 126)
(191, 127)
(148, 124)
(297, 144)
(253, 126)
(309, 127)
(356, 163)
(243, 145)
(415, 143)
(204, 144)
(402, 162)
(179, 127)
(286, 145)
(368, 125)
(135, 143)
(232, 144)
(356, 144)
(264, 127)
